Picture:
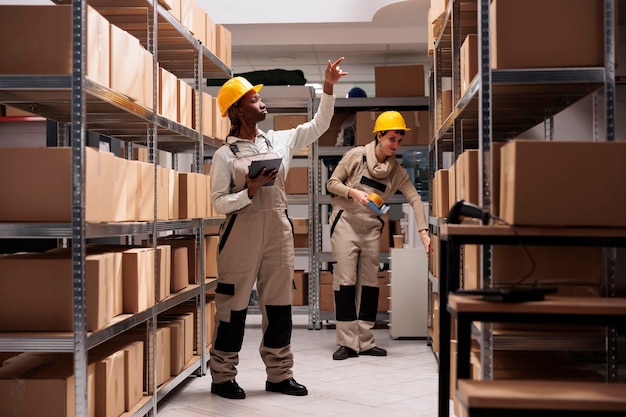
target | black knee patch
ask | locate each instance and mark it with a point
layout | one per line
(226, 289)
(345, 304)
(369, 303)
(279, 323)
(230, 335)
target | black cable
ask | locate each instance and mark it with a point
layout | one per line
(525, 249)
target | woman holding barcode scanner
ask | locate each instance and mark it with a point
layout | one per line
(364, 178)
(256, 238)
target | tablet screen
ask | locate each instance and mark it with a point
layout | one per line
(269, 164)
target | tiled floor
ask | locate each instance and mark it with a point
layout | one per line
(402, 384)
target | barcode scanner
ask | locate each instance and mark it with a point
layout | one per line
(462, 209)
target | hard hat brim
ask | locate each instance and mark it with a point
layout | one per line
(256, 89)
(393, 128)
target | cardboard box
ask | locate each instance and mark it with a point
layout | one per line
(186, 13)
(399, 81)
(211, 35)
(168, 95)
(469, 61)
(116, 276)
(211, 244)
(180, 269)
(133, 365)
(441, 193)
(42, 42)
(185, 104)
(45, 382)
(207, 114)
(447, 105)
(187, 195)
(162, 193)
(300, 232)
(133, 373)
(300, 288)
(120, 190)
(128, 60)
(110, 385)
(174, 194)
(188, 242)
(177, 344)
(164, 272)
(163, 355)
(138, 276)
(144, 194)
(223, 43)
(297, 181)
(555, 39)
(198, 23)
(329, 138)
(50, 307)
(286, 122)
(467, 176)
(554, 265)
(541, 187)
(39, 181)
(202, 186)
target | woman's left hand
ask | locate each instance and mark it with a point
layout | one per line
(425, 241)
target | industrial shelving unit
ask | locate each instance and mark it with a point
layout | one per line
(499, 105)
(83, 105)
(319, 198)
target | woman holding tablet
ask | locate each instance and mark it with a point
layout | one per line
(256, 238)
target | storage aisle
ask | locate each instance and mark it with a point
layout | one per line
(402, 384)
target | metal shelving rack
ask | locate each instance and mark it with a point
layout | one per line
(67, 100)
(499, 105)
(318, 199)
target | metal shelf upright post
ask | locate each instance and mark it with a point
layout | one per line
(78, 133)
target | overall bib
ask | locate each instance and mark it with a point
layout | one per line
(355, 239)
(255, 244)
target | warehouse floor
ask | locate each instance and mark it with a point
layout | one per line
(402, 384)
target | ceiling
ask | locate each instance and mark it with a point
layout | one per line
(368, 33)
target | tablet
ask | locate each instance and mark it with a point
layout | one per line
(257, 166)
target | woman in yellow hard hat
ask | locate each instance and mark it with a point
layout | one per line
(364, 178)
(256, 238)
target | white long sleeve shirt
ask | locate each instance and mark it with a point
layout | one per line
(283, 142)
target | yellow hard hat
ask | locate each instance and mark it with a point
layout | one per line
(232, 91)
(389, 120)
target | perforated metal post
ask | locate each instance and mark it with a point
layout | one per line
(485, 161)
(610, 254)
(199, 231)
(78, 135)
(315, 229)
(151, 133)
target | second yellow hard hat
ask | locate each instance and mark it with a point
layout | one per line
(389, 120)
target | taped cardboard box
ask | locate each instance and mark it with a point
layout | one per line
(45, 382)
(562, 183)
(39, 181)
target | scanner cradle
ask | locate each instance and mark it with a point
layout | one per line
(509, 295)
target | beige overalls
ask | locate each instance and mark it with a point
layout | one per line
(255, 244)
(355, 238)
